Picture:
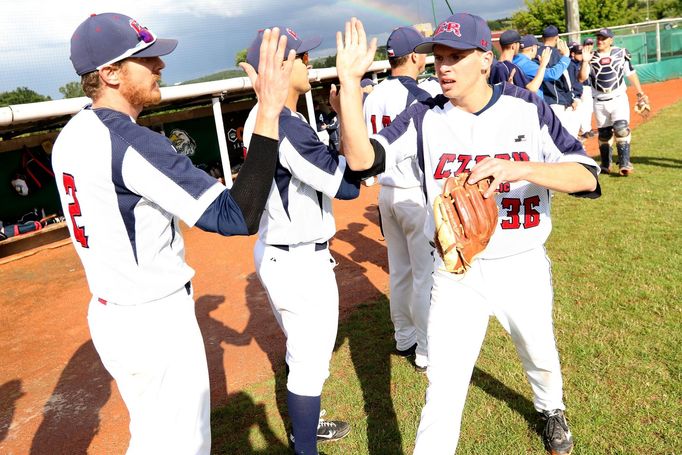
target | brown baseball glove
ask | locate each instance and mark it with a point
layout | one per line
(465, 221)
(642, 107)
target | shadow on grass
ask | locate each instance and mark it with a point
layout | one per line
(658, 161)
(263, 329)
(370, 340)
(517, 402)
(232, 424)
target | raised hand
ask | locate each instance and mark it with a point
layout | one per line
(512, 73)
(545, 56)
(271, 83)
(563, 48)
(353, 55)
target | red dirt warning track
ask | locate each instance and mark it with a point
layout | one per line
(55, 396)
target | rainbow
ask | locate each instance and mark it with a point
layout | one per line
(401, 14)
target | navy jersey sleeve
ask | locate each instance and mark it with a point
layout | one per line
(307, 158)
(498, 73)
(145, 164)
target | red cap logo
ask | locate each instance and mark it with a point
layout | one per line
(293, 34)
(449, 27)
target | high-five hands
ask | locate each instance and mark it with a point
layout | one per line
(353, 55)
(271, 83)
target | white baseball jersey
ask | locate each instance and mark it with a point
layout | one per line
(608, 71)
(447, 141)
(123, 190)
(431, 85)
(388, 99)
(308, 176)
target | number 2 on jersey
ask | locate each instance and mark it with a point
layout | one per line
(75, 210)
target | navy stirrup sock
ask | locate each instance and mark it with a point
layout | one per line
(304, 413)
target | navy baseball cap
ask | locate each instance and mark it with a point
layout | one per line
(366, 82)
(575, 47)
(588, 42)
(509, 37)
(460, 31)
(294, 42)
(103, 39)
(605, 32)
(528, 41)
(402, 41)
(550, 31)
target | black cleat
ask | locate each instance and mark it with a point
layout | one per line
(556, 435)
(328, 430)
(407, 352)
(331, 430)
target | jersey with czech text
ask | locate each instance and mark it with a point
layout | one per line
(124, 190)
(515, 125)
(388, 99)
(307, 177)
(608, 71)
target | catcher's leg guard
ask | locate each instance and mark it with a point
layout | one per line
(605, 143)
(622, 133)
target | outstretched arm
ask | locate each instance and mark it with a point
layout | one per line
(564, 177)
(250, 190)
(535, 84)
(585, 67)
(353, 58)
(271, 83)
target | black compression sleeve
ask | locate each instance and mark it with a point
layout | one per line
(377, 167)
(590, 194)
(252, 186)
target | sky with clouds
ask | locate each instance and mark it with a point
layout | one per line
(35, 34)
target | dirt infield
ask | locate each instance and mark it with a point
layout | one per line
(55, 396)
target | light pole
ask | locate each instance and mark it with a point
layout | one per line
(572, 19)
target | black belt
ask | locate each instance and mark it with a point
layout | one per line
(604, 99)
(318, 246)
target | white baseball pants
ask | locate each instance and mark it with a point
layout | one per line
(607, 112)
(410, 264)
(304, 296)
(156, 354)
(518, 291)
(586, 109)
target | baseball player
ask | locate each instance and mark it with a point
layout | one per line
(526, 61)
(509, 134)
(292, 256)
(125, 189)
(579, 90)
(586, 100)
(558, 93)
(504, 70)
(607, 71)
(401, 200)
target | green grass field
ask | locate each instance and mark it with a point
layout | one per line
(617, 268)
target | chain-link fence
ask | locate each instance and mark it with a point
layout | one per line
(649, 42)
(655, 46)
